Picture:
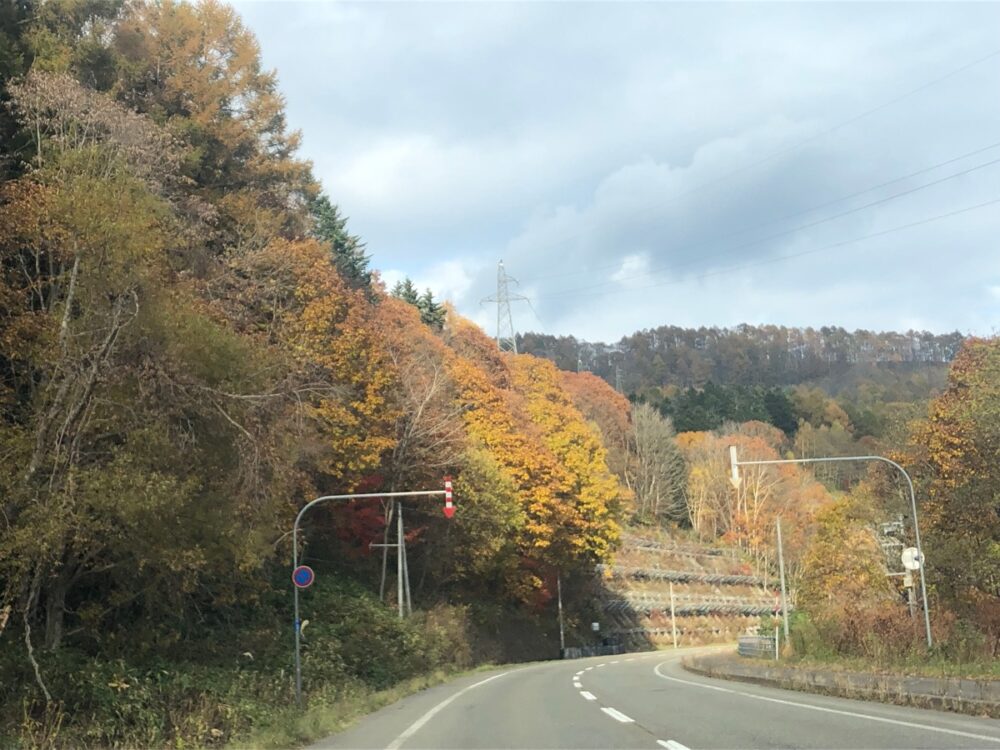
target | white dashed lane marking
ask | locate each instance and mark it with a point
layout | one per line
(671, 745)
(614, 713)
(588, 696)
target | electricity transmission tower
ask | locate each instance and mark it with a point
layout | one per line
(506, 339)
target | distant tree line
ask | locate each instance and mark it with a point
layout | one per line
(745, 355)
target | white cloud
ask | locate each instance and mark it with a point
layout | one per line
(449, 281)
(633, 268)
(602, 146)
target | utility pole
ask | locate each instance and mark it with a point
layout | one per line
(399, 559)
(781, 570)
(506, 337)
(406, 576)
(673, 618)
(562, 636)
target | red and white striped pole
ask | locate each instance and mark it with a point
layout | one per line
(449, 506)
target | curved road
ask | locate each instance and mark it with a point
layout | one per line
(646, 701)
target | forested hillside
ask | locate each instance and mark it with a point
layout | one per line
(830, 390)
(192, 346)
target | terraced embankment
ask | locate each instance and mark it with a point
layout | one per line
(715, 595)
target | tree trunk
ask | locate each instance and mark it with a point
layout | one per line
(55, 611)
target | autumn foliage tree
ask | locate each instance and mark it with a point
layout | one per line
(514, 408)
(745, 515)
(851, 605)
(609, 410)
(957, 447)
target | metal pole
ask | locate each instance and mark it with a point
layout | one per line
(776, 641)
(913, 506)
(920, 551)
(385, 549)
(298, 655)
(399, 558)
(673, 619)
(781, 570)
(562, 635)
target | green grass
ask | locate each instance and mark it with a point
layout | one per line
(291, 727)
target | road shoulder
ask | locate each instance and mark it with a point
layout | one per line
(972, 697)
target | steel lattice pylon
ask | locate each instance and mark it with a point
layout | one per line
(506, 337)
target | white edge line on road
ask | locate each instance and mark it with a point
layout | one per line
(671, 745)
(614, 713)
(853, 714)
(415, 726)
(588, 696)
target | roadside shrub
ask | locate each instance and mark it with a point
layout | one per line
(354, 645)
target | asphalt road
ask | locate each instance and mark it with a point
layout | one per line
(646, 701)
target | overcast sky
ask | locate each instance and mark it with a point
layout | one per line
(642, 164)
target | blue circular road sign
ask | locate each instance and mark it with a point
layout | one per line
(303, 576)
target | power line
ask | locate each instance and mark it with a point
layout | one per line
(805, 141)
(780, 258)
(786, 217)
(783, 233)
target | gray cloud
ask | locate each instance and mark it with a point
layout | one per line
(609, 153)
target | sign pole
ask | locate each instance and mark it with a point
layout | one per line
(295, 560)
(298, 629)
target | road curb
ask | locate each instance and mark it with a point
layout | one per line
(974, 697)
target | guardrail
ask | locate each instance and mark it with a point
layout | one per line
(637, 542)
(681, 576)
(577, 652)
(756, 646)
(690, 605)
